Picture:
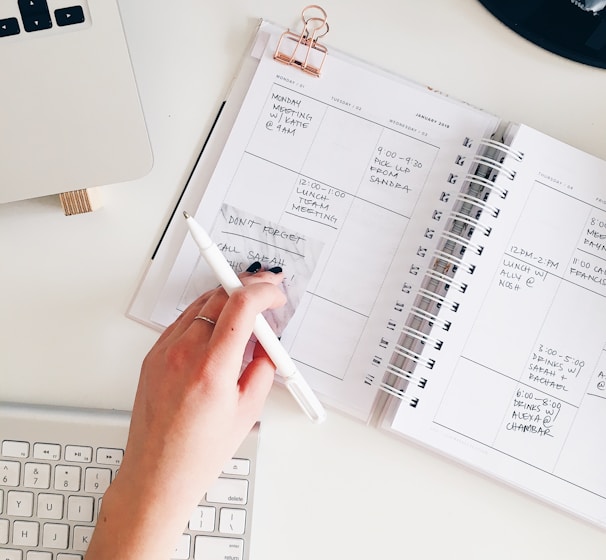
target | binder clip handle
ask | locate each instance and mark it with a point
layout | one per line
(303, 50)
(313, 24)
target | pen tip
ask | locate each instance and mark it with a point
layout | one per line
(186, 215)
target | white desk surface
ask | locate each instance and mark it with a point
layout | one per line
(341, 490)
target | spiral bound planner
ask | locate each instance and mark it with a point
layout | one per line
(445, 271)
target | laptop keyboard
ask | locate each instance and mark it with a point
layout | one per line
(20, 18)
(55, 465)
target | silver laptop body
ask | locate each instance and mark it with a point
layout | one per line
(70, 115)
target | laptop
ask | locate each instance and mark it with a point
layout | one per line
(70, 114)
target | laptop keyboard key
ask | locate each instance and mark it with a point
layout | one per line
(69, 16)
(9, 26)
(35, 14)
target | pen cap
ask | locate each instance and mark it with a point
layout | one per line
(307, 400)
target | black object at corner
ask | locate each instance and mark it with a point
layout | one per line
(575, 29)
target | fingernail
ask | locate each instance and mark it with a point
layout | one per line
(276, 269)
(254, 267)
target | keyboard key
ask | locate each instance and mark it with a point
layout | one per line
(35, 15)
(10, 554)
(37, 555)
(50, 506)
(228, 491)
(181, 551)
(9, 473)
(82, 536)
(67, 478)
(239, 467)
(55, 535)
(47, 451)
(69, 557)
(4, 525)
(69, 16)
(232, 521)
(97, 480)
(17, 449)
(78, 454)
(25, 533)
(19, 503)
(218, 548)
(109, 456)
(80, 508)
(36, 475)
(203, 519)
(9, 26)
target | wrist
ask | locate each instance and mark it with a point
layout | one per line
(135, 522)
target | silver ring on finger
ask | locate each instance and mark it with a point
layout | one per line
(207, 319)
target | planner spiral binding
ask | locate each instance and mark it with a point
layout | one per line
(446, 273)
(302, 49)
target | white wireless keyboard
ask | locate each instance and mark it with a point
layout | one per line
(55, 465)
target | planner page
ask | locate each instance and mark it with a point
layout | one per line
(333, 179)
(518, 389)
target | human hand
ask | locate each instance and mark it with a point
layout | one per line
(192, 410)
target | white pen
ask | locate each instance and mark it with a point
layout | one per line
(285, 367)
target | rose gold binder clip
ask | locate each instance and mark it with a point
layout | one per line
(303, 50)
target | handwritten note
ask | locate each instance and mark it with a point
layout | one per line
(244, 239)
(288, 114)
